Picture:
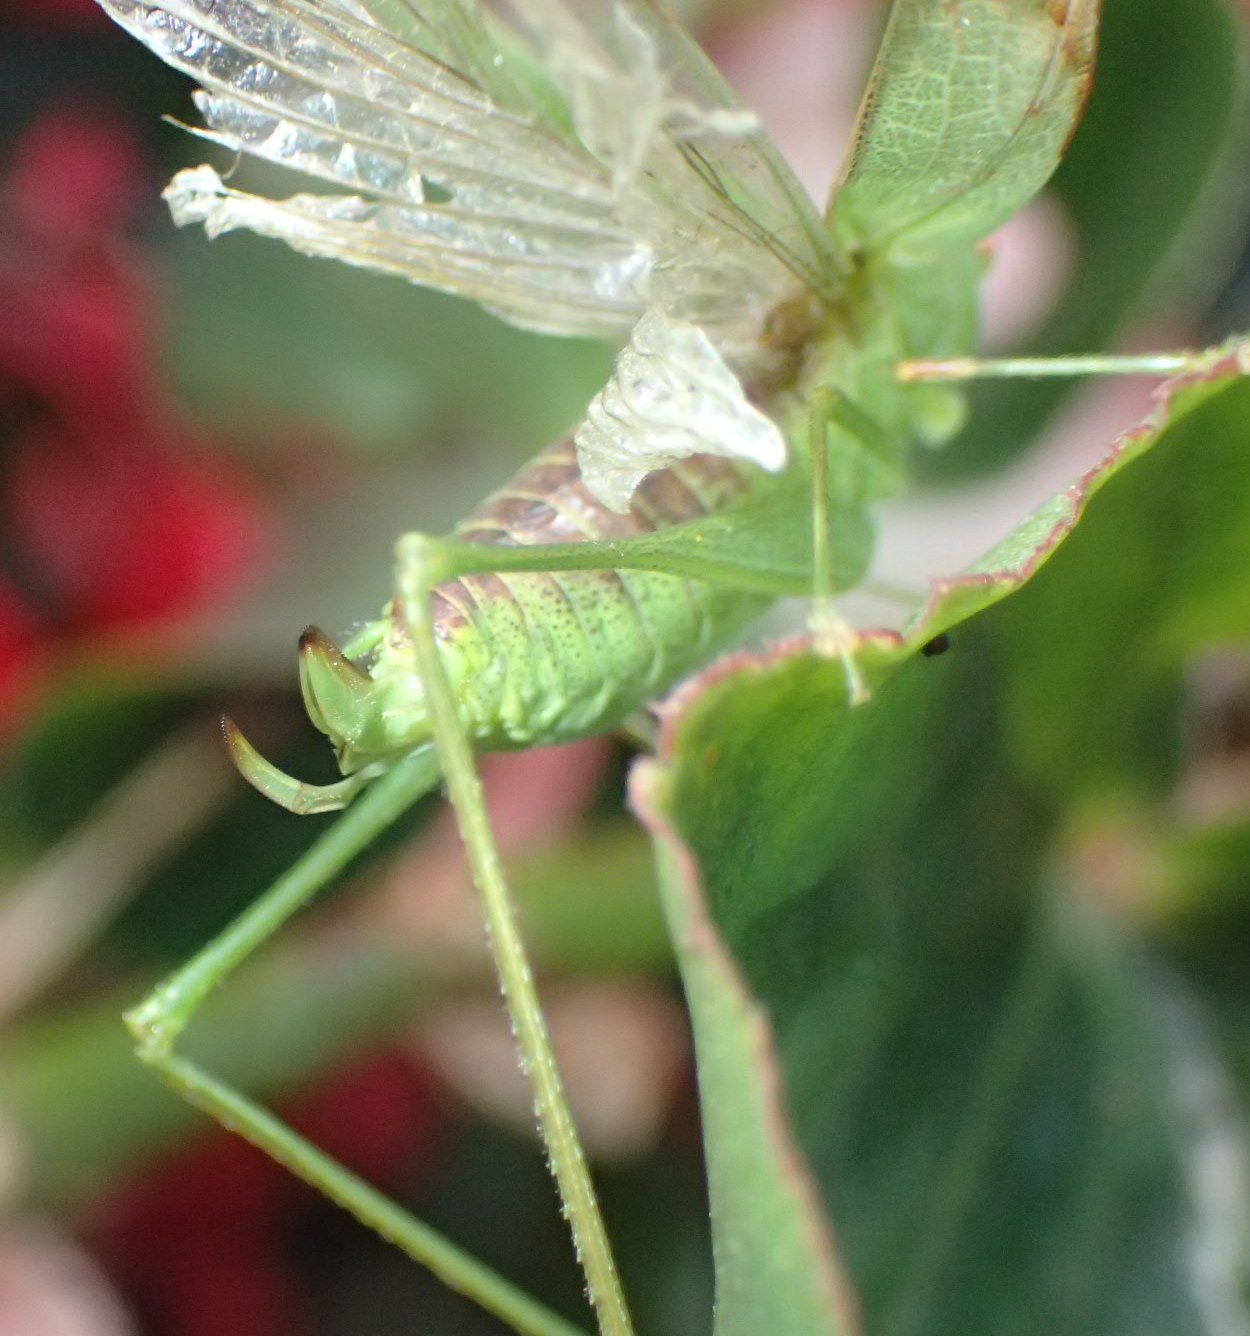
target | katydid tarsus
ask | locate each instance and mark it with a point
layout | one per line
(582, 169)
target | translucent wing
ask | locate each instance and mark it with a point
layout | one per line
(567, 166)
(747, 171)
(670, 396)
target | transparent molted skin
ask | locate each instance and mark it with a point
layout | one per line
(533, 658)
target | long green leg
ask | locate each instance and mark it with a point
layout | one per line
(830, 629)
(820, 413)
(423, 563)
(157, 1022)
(1024, 368)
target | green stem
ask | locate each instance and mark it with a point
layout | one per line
(831, 631)
(421, 562)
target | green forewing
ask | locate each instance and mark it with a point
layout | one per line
(1153, 168)
(970, 106)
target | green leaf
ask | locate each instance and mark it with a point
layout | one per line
(1217, 386)
(775, 1267)
(970, 1069)
(970, 105)
(968, 110)
(1149, 174)
(1163, 569)
(970, 1061)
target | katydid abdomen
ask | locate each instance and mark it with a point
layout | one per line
(546, 657)
(533, 657)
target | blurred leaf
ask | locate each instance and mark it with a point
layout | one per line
(262, 338)
(1163, 574)
(1199, 886)
(591, 904)
(95, 729)
(87, 1112)
(1139, 177)
(95, 726)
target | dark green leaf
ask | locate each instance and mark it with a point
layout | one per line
(970, 1068)
(1163, 573)
(970, 1057)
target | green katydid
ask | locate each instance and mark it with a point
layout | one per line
(777, 367)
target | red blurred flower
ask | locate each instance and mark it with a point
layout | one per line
(34, 15)
(115, 510)
(208, 1242)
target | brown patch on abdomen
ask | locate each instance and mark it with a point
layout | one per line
(547, 502)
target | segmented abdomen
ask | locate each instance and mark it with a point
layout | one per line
(537, 658)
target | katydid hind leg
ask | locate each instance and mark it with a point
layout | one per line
(1153, 364)
(832, 633)
(157, 1023)
(421, 564)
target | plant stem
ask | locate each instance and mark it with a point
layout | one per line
(818, 445)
